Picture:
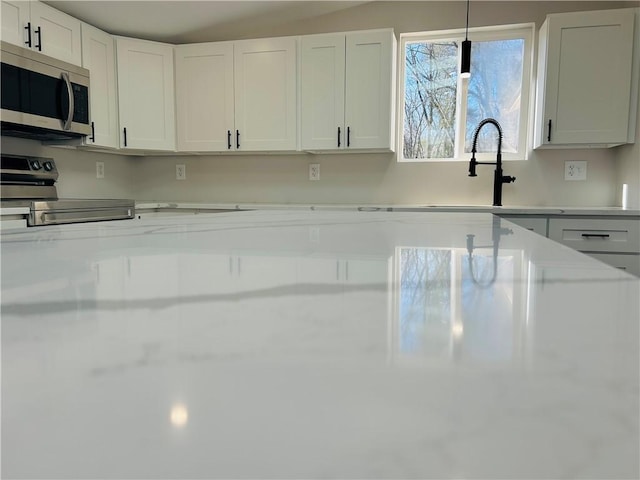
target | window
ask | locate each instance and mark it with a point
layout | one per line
(440, 111)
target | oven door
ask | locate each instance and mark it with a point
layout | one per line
(43, 96)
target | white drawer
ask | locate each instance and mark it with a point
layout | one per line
(629, 262)
(597, 235)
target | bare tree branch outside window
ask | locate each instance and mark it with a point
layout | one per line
(430, 99)
(432, 91)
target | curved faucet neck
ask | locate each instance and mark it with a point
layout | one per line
(477, 132)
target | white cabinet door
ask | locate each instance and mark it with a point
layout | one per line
(369, 93)
(35, 25)
(98, 56)
(204, 97)
(15, 17)
(585, 64)
(265, 94)
(145, 94)
(322, 73)
(55, 33)
(347, 83)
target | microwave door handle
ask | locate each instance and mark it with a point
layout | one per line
(67, 122)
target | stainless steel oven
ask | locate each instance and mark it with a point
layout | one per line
(42, 98)
(30, 182)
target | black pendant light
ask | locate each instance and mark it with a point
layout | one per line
(465, 64)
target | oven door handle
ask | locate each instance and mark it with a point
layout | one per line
(67, 123)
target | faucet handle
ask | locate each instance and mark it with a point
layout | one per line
(472, 167)
(508, 179)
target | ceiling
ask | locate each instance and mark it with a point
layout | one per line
(193, 21)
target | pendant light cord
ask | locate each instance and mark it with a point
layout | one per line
(466, 32)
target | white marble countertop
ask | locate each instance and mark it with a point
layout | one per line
(315, 344)
(506, 210)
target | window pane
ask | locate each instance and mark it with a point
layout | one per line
(494, 91)
(430, 87)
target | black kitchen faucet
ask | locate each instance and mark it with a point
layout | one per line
(498, 178)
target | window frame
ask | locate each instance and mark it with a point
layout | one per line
(526, 31)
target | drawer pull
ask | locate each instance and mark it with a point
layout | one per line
(595, 235)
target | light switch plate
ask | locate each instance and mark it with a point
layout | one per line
(575, 170)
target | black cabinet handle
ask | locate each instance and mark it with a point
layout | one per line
(93, 133)
(595, 235)
(28, 29)
(39, 45)
(229, 139)
(348, 136)
(237, 138)
(549, 134)
(338, 136)
(125, 136)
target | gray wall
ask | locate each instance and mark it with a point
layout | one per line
(364, 178)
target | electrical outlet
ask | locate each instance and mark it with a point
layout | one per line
(575, 170)
(181, 172)
(99, 169)
(314, 171)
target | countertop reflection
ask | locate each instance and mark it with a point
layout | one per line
(315, 344)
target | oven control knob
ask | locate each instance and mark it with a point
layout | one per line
(48, 166)
(35, 164)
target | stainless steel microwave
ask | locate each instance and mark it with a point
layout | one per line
(42, 97)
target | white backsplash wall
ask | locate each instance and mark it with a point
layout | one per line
(374, 179)
(77, 170)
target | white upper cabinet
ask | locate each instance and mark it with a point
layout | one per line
(585, 79)
(145, 94)
(322, 75)
(204, 97)
(237, 96)
(98, 56)
(347, 91)
(55, 33)
(265, 91)
(35, 25)
(15, 19)
(370, 85)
